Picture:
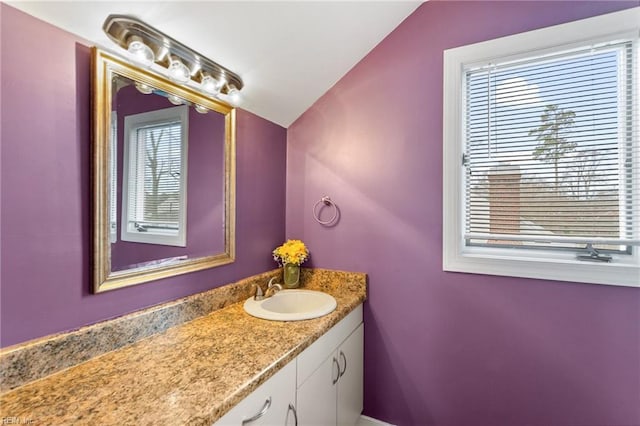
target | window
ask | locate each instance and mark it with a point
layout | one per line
(541, 153)
(113, 179)
(154, 201)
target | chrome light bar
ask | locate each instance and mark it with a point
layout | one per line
(147, 45)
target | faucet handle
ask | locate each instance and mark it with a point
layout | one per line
(271, 282)
(259, 295)
(272, 289)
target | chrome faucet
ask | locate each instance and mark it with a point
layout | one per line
(272, 288)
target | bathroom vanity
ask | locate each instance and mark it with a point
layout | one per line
(219, 368)
(322, 386)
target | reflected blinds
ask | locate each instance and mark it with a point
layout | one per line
(552, 153)
(155, 200)
(113, 179)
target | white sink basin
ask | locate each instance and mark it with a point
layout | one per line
(291, 305)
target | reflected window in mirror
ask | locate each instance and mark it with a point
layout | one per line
(113, 180)
(154, 201)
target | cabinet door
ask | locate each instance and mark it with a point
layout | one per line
(351, 382)
(311, 358)
(316, 398)
(267, 405)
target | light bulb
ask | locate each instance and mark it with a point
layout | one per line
(234, 95)
(179, 72)
(222, 81)
(201, 109)
(210, 85)
(144, 88)
(175, 100)
(141, 52)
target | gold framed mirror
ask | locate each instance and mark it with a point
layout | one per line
(163, 176)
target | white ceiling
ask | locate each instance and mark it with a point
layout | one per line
(288, 53)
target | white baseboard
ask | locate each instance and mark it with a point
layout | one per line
(368, 421)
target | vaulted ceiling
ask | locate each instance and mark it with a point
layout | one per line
(288, 53)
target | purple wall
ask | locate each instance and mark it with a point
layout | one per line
(205, 174)
(45, 198)
(450, 348)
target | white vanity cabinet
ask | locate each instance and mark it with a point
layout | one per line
(272, 403)
(323, 386)
(330, 376)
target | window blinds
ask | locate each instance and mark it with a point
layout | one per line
(113, 179)
(155, 198)
(551, 150)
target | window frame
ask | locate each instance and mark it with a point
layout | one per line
(526, 263)
(131, 124)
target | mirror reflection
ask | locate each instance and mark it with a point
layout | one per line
(167, 202)
(166, 159)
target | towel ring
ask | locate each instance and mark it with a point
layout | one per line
(326, 200)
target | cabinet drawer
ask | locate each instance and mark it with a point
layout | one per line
(279, 390)
(312, 357)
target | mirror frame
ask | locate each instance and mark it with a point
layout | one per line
(104, 67)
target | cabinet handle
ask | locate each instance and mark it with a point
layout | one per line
(295, 414)
(344, 357)
(262, 412)
(335, 361)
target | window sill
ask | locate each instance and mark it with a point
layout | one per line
(559, 268)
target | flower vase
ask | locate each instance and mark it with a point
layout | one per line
(291, 273)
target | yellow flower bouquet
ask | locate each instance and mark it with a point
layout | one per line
(290, 256)
(293, 251)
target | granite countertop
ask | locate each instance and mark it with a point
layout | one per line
(190, 374)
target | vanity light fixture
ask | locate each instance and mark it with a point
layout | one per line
(149, 46)
(233, 95)
(201, 109)
(145, 89)
(178, 71)
(140, 51)
(175, 99)
(210, 85)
